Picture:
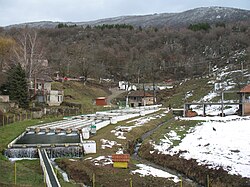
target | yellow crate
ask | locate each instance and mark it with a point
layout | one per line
(120, 165)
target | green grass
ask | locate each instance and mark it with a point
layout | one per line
(29, 172)
(176, 96)
(180, 127)
(76, 92)
(107, 175)
(227, 96)
(134, 134)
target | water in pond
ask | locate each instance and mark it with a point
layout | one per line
(29, 138)
(53, 152)
(70, 152)
(21, 153)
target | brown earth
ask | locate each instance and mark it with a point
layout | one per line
(82, 171)
(190, 168)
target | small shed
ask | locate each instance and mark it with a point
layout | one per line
(101, 101)
(120, 160)
(244, 106)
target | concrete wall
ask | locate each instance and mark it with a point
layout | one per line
(4, 98)
(139, 101)
(4, 107)
(247, 108)
(89, 147)
(55, 98)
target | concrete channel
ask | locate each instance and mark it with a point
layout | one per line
(49, 174)
(65, 138)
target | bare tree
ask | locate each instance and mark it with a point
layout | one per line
(29, 52)
(6, 49)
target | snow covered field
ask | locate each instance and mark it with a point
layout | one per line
(217, 142)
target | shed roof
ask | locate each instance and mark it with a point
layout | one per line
(246, 89)
(101, 98)
(120, 157)
(140, 94)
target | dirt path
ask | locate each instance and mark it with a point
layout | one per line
(114, 93)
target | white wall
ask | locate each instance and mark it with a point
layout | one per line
(89, 147)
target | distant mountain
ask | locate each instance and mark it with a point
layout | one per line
(203, 14)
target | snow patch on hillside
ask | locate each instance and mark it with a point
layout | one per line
(145, 170)
(218, 142)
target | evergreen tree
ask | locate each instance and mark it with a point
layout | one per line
(17, 87)
(199, 26)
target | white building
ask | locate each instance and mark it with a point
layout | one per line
(124, 85)
(54, 98)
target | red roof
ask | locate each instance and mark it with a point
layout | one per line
(140, 94)
(246, 89)
(120, 157)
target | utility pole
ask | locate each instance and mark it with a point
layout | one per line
(242, 68)
(143, 87)
(154, 91)
(209, 68)
(222, 103)
(138, 76)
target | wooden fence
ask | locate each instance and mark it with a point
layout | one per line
(12, 118)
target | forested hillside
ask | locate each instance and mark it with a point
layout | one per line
(125, 52)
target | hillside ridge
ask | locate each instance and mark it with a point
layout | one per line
(203, 14)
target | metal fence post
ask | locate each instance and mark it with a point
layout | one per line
(15, 173)
(207, 180)
(131, 182)
(93, 180)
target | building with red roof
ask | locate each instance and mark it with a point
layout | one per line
(140, 98)
(245, 100)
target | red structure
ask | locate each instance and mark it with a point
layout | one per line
(245, 101)
(101, 101)
(120, 160)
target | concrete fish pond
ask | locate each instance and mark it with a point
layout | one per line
(56, 145)
(65, 138)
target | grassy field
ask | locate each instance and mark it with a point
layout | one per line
(29, 172)
(82, 170)
(131, 136)
(176, 96)
(76, 92)
(180, 127)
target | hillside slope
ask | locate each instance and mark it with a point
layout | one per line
(76, 92)
(203, 14)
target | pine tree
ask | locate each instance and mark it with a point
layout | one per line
(17, 87)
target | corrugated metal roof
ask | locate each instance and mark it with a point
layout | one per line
(120, 157)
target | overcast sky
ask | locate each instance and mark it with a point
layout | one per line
(20, 11)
